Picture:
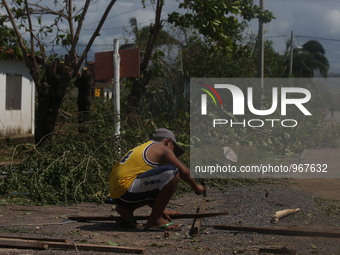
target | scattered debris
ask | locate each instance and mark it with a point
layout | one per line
(197, 223)
(283, 250)
(42, 243)
(146, 217)
(230, 154)
(23, 243)
(281, 231)
(35, 238)
(266, 193)
(283, 213)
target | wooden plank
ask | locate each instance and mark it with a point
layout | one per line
(36, 238)
(146, 217)
(277, 251)
(23, 244)
(94, 247)
(197, 223)
(37, 244)
(281, 231)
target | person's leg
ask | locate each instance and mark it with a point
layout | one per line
(154, 188)
(162, 199)
(126, 212)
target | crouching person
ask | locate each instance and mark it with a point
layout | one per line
(148, 175)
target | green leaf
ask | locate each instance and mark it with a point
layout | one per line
(112, 243)
(77, 17)
(157, 245)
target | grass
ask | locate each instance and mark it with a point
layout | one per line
(14, 230)
(330, 206)
(5, 154)
(15, 199)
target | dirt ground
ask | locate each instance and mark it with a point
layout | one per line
(326, 188)
(318, 199)
(247, 206)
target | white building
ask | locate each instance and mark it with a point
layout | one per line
(17, 99)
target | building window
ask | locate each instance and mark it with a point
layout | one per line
(13, 91)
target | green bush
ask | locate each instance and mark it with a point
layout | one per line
(74, 167)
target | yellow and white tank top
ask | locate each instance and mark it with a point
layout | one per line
(126, 170)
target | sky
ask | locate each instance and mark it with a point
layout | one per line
(117, 24)
(308, 19)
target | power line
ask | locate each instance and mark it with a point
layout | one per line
(319, 38)
(79, 45)
(275, 36)
(117, 15)
(121, 27)
(306, 36)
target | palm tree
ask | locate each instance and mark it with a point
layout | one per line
(148, 39)
(142, 34)
(309, 58)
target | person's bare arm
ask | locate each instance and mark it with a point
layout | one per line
(160, 153)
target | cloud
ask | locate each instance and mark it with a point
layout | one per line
(333, 22)
(313, 18)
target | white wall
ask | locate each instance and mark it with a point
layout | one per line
(16, 122)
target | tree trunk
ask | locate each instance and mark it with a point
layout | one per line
(138, 88)
(47, 113)
(84, 83)
(139, 85)
(51, 91)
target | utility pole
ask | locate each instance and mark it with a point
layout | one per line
(116, 87)
(260, 70)
(291, 55)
